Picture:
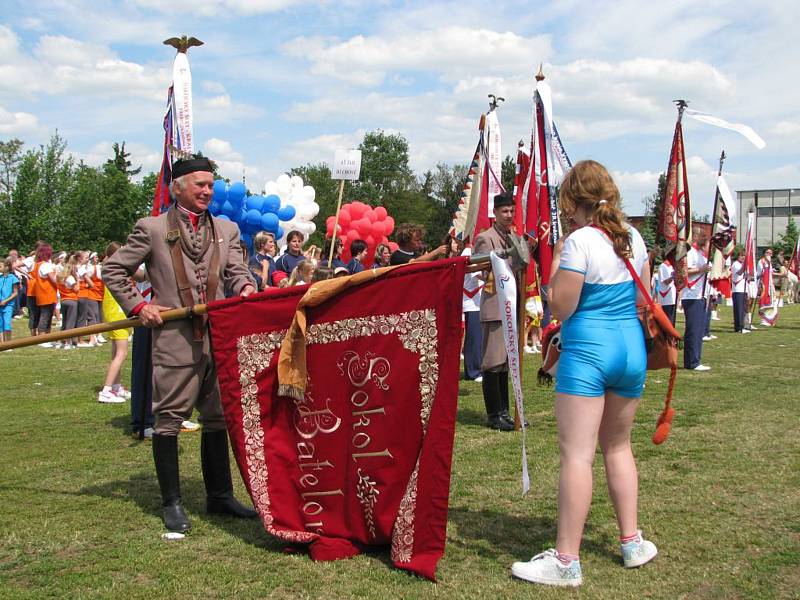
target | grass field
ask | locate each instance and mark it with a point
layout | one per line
(79, 504)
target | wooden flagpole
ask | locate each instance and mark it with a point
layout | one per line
(336, 223)
(713, 225)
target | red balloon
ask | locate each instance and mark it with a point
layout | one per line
(329, 222)
(357, 209)
(378, 229)
(370, 241)
(344, 217)
(381, 213)
(388, 225)
(351, 235)
(384, 240)
(364, 227)
(370, 214)
(393, 246)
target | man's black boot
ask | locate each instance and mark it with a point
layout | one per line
(165, 456)
(502, 384)
(491, 398)
(217, 476)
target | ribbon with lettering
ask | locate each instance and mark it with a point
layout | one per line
(362, 458)
(506, 287)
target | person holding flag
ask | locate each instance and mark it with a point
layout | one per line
(666, 294)
(694, 302)
(767, 299)
(739, 293)
(190, 258)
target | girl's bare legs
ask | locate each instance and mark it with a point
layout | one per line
(579, 419)
(615, 442)
(119, 351)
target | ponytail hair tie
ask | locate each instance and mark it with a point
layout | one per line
(602, 201)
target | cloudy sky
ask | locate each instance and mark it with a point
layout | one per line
(281, 83)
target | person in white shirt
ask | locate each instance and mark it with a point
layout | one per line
(471, 305)
(739, 293)
(665, 288)
(694, 304)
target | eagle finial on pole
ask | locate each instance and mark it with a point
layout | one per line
(183, 43)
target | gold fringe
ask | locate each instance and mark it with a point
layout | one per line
(290, 391)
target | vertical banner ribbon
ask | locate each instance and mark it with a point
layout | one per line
(182, 82)
(506, 287)
(494, 159)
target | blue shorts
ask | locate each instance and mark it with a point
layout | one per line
(599, 356)
(6, 316)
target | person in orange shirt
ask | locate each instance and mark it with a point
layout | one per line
(96, 291)
(68, 287)
(44, 272)
(85, 314)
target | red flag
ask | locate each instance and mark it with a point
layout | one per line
(794, 263)
(675, 224)
(483, 222)
(363, 458)
(537, 222)
(520, 174)
(750, 248)
(161, 198)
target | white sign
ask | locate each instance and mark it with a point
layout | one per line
(346, 165)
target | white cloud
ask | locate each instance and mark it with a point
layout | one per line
(218, 149)
(320, 149)
(451, 52)
(218, 7)
(786, 129)
(17, 123)
(213, 87)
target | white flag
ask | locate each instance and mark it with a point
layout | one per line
(746, 131)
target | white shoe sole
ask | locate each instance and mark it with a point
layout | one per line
(640, 561)
(520, 574)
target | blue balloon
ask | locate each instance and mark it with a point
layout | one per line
(237, 192)
(253, 217)
(241, 217)
(255, 203)
(269, 222)
(247, 239)
(224, 218)
(279, 233)
(229, 210)
(286, 213)
(220, 191)
(271, 204)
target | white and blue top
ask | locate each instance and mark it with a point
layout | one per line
(608, 289)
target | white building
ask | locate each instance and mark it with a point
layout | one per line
(772, 208)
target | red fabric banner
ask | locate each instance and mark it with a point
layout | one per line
(675, 223)
(364, 458)
(520, 175)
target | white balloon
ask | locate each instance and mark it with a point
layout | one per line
(314, 210)
(270, 188)
(312, 227)
(297, 182)
(309, 192)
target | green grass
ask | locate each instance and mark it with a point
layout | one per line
(79, 503)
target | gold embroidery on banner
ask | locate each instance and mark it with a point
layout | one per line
(417, 332)
(367, 492)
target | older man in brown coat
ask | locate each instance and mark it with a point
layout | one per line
(190, 257)
(494, 361)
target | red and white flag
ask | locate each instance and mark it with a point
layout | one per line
(675, 223)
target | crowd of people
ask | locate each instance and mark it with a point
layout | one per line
(170, 261)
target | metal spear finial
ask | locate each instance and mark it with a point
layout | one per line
(495, 101)
(540, 75)
(183, 43)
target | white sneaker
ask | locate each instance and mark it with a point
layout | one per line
(46, 345)
(638, 552)
(701, 368)
(707, 338)
(753, 327)
(189, 426)
(478, 379)
(101, 339)
(545, 568)
(108, 397)
(122, 393)
(530, 350)
(745, 331)
(85, 345)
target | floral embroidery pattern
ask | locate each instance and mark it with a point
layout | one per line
(367, 492)
(416, 330)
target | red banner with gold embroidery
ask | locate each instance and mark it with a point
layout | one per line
(363, 459)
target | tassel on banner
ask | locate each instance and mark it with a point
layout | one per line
(664, 423)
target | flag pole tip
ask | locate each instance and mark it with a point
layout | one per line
(183, 43)
(540, 74)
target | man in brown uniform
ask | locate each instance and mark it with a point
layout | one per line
(190, 258)
(494, 363)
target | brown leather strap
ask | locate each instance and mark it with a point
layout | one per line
(213, 269)
(179, 267)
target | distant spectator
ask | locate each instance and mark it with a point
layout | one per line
(337, 254)
(262, 264)
(45, 291)
(321, 274)
(68, 287)
(294, 253)
(302, 274)
(358, 251)
(382, 256)
(410, 238)
(9, 290)
(113, 392)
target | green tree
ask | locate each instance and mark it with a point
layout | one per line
(653, 205)
(384, 168)
(507, 172)
(120, 161)
(788, 239)
(10, 158)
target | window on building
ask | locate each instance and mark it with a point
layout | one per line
(781, 211)
(764, 211)
(796, 210)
